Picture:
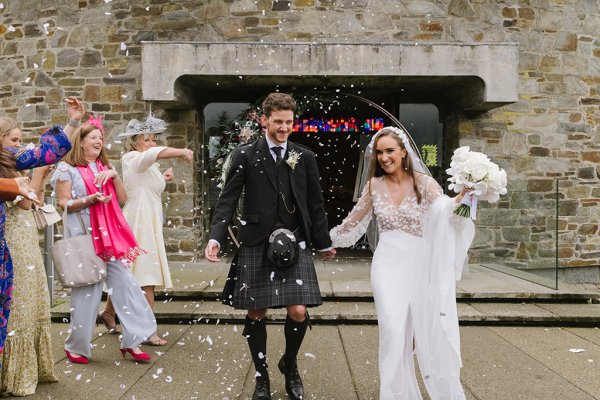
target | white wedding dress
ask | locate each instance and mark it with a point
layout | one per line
(419, 255)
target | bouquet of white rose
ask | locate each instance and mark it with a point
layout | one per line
(483, 179)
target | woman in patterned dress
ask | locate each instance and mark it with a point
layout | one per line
(54, 145)
(27, 356)
(420, 252)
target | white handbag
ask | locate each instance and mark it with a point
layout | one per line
(45, 215)
(75, 260)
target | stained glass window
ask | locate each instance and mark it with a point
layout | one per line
(350, 124)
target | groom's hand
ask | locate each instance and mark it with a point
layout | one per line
(211, 252)
(329, 254)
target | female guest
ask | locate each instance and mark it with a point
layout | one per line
(85, 184)
(422, 246)
(143, 211)
(54, 144)
(27, 356)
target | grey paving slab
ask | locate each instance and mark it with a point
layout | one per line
(466, 312)
(107, 373)
(512, 312)
(337, 362)
(551, 347)
(574, 312)
(593, 334)
(323, 276)
(344, 312)
(361, 344)
(206, 362)
(321, 362)
(496, 369)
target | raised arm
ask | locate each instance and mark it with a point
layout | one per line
(75, 112)
(139, 162)
(356, 223)
(54, 144)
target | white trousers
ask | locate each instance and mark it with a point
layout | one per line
(400, 289)
(131, 306)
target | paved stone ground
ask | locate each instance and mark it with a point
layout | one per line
(337, 361)
(208, 361)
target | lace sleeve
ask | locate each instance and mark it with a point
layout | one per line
(62, 173)
(431, 189)
(355, 224)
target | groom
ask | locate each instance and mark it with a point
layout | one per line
(281, 188)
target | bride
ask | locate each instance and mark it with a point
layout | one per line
(421, 247)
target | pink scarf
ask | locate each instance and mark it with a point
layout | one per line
(112, 235)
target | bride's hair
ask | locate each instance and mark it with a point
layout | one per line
(375, 169)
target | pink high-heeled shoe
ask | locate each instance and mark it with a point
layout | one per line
(144, 357)
(77, 360)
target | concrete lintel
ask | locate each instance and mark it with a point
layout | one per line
(496, 64)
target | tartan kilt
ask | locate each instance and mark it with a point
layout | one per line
(257, 285)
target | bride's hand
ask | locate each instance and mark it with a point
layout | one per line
(462, 194)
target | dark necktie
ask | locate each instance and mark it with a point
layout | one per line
(277, 150)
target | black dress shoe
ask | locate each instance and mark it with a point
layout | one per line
(262, 390)
(293, 383)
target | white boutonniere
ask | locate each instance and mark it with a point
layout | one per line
(293, 158)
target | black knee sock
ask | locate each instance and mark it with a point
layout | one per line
(294, 335)
(256, 334)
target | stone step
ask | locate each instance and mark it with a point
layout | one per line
(363, 312)
(349, 280)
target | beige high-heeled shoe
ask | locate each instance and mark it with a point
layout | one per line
(111, 328)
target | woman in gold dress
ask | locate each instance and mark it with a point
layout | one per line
(27, 357)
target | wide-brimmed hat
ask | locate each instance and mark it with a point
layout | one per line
(150, 126)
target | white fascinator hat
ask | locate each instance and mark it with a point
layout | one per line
(150, 126)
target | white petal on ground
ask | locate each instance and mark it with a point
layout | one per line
(576, 350)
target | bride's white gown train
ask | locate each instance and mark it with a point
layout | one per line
(420, 253)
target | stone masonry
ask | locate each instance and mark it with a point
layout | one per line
(92, 49)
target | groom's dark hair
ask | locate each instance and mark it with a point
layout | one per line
(278, 101)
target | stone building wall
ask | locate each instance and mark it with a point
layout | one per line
(91, 49)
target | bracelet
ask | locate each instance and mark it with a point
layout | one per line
(75, 123)
(84, 199)
(70, 203)
(114, 178)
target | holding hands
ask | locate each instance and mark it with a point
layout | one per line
(329, 254)
(212, 251)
